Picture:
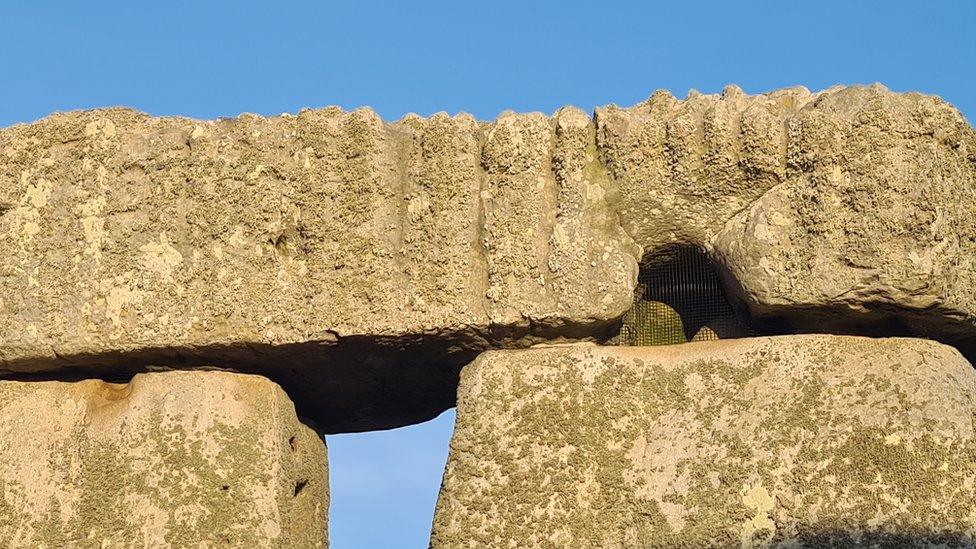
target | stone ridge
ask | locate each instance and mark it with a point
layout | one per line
(793, 441)
(360, 263)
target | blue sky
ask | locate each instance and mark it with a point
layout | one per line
(214, 58)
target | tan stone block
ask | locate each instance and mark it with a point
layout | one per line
(173, 459)
(795, 440)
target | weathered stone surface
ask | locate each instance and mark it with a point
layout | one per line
(347, 258)
(873, 230)
(177, 459)
(360, 264)
(849, 210)
(682, 169)
(799, 440)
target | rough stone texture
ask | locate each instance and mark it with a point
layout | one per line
(360, 264)
(808, 441)
(875, 221)
(849, 210)
(682, 169)
(174, 459)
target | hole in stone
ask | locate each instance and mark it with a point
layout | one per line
(680, 298)
(280, 244)
(300, 485)
(225, 488)
(293, 443)
(119, 376)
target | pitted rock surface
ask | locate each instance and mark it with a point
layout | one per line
(796, 441)
(174, 459)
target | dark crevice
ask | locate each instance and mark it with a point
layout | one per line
(300, 485)
(358, 383)
(862, 319)
(363, 383)
(683, 294)
(874, 320)
(680, 297)
(856, 535)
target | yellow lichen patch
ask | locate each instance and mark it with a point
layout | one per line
(759, 529)
(37, 194)
(237, 238)
(198, 132)
(26, 225)
(161, 257)
(118, 299)
(93, 225)
(100, 128)
(26, 219)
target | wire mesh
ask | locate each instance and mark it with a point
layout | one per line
(679, 298)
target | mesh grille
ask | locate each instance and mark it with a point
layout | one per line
(679, 298)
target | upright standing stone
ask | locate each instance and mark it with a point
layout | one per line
(174, 459)
(795, 440)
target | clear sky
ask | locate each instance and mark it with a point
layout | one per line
(215, 58)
